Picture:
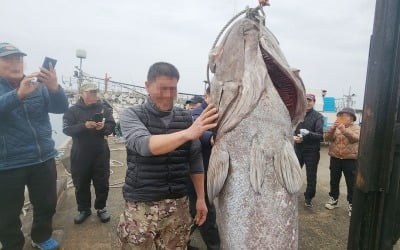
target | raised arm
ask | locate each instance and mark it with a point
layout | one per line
(162, 144)
(58, 102)
(330, 135)
(12, 99)
(136, 135)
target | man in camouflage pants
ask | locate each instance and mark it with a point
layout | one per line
(146, 219)
(163, 150)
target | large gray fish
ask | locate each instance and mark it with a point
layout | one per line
(253, 167)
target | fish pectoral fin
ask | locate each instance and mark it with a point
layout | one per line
(287, 168)
(217, 171)
(258, 164)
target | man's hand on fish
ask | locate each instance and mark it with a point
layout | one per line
(263, 2)
(201, 212)
(206, 121)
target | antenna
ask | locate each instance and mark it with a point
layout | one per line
(349, 102)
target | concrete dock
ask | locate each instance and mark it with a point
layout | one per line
(319, 228)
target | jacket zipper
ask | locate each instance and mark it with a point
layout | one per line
(34, 133)
(3, 140)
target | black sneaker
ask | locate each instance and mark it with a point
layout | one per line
(103, 215)
(81, 217)
(308, 203)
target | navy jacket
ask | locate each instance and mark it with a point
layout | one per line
(25, 130)
(205, 138)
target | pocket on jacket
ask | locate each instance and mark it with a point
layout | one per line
(3, 148)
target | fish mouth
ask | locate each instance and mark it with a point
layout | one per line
(283, 82)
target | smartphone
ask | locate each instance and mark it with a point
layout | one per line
(47, 61)
(98, 117)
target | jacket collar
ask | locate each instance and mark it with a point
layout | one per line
(82, 105)
(310, 110)
(149, 105)
(6, 83)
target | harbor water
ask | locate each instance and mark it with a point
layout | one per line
(56, 123)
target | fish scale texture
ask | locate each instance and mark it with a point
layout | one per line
(250, 220)
(253, 170)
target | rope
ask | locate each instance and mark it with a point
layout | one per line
(117, 149)
(115, 163)
(115, 140)
(258, 8)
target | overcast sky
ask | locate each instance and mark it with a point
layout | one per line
(328, 40)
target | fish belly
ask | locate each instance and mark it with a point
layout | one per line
(257, 220)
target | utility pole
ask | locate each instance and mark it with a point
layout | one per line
(375, 221)
(349, 99)
(106, 80)
(81, 54)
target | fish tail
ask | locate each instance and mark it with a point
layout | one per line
(287, 168)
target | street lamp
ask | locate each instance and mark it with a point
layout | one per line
(81, 54)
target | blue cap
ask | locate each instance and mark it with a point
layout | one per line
(9, 49)
(195, 99)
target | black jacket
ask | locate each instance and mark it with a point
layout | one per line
(74, 124)
(158, 177)
(205, 138)
(313, 122)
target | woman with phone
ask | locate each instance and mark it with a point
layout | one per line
(343, 138)
(89, 122)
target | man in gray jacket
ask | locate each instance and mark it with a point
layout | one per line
(163, 150)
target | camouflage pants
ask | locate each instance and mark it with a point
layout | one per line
(165, 223)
